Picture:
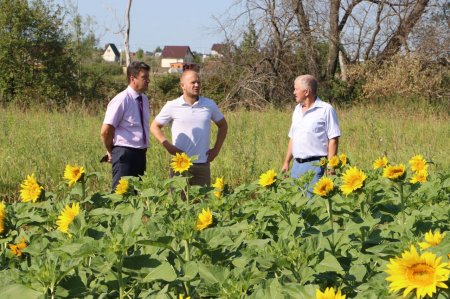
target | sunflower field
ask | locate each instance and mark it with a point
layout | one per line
(376, 233)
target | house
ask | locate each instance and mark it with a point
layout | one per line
(111, 54)
(217, 50)
(174, 54)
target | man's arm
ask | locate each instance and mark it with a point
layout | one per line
(221, 134)
(156, 130)
(107, 134)
(333, 147)
(288, 157)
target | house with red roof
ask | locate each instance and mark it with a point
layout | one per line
(174, 54)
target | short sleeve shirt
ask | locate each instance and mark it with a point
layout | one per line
(311, 130)
(123, 113)
(191, 125)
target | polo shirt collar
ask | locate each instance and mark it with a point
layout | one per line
(182, 102)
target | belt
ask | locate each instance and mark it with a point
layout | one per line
(315, 158)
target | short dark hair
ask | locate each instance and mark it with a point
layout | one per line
(135, 67)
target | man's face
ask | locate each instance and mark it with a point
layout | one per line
(140, 83)
(300, 92)
(190, 84)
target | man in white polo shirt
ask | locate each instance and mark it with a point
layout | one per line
(190, 116)
(314, 132)
(125, 129)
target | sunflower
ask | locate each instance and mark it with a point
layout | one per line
(218, 194)
(431, 239)
(16, 249)
(352, 179)
(268, 178)
(380, 162)
(122, 187)
(180, 162)
(73, 174)
(205, 219)
(30, 189)
(343, 158)
(329, 294)
(66, 217)
(394, 172)
(2, 216)
(324, 187)
(419, 177)
(334, 162)
(422, 273)
(219, 184)
(418, 163)
(323, 162)
(182, 297)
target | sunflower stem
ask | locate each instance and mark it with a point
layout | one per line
(187, 258)
(330, 212)
(402, 204)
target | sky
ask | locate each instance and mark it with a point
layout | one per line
(156, 22)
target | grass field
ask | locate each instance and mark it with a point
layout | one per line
(44, 142)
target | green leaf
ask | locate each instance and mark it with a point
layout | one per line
(212, 274)
(15, 291)
(162, 272)
(329, 263)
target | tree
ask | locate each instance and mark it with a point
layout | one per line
(140, 54)
(33, 56)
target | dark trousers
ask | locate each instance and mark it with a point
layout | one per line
(127, 161)
(200, 174)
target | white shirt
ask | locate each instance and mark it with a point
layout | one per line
(123, 113)
(191, 125)
(310, 131)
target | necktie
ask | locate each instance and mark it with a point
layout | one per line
(141, 111)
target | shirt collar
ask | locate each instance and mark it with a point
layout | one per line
(133, 93)
(182, 102)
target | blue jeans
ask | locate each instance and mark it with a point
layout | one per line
(299, 169)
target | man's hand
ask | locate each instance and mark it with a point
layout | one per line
(285, 167)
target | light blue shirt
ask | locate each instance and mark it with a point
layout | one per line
(311, 130)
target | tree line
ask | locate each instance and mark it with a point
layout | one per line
(358, 49)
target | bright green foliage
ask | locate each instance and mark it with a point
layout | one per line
(33, 58)
(264, 242)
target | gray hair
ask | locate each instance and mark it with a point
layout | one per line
(309, 82)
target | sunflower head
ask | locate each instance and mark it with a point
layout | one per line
(219, 184)
(353, 179)
(419, 177)
(381, 162)
(329, 293)
(418, 163)
(334, 162)
(123, 187)
(2, 216)
(16, 249)
(67, 216)
(324, 187)
(343, 159)
(432, 239)
(204, 220)
(180, 162)
(73, 174)
(30, 190)
(420, 273)
(394, 172)
(323, 162)
(268, 178)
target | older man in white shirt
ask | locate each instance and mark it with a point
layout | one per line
(314, 132)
